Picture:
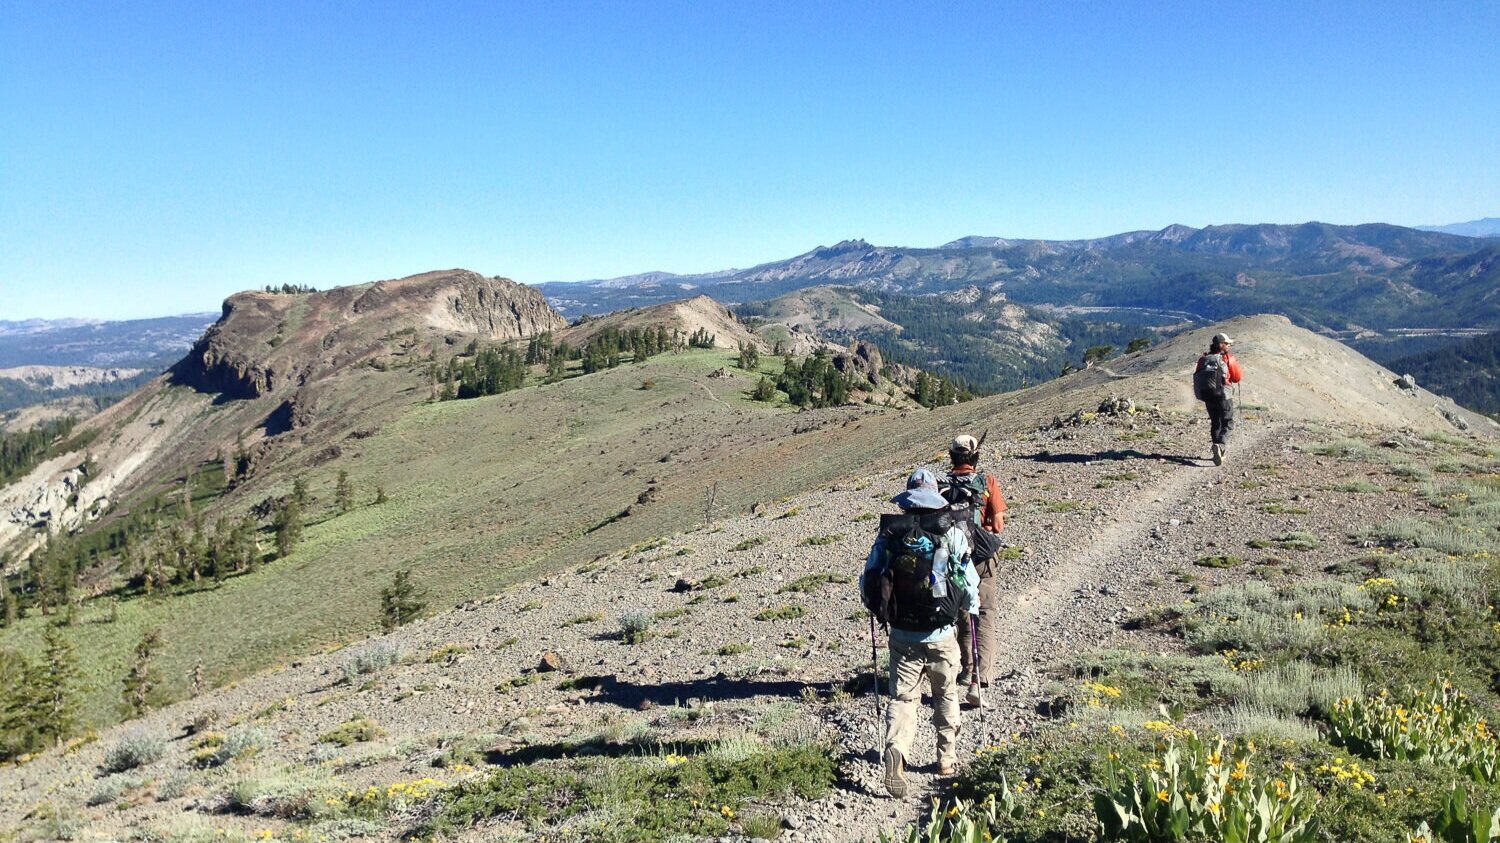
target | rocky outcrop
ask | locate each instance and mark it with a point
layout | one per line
(268, 342)
(862, 362)
(221, 361)
(497, 308)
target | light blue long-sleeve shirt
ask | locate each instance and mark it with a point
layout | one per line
(955, 545)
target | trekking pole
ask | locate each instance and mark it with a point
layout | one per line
(874, 673)
(974, 648)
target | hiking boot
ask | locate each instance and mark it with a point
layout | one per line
(895, 772)
(975, 697)
(1218, 454)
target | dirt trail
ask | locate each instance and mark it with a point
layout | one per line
(1031, 615)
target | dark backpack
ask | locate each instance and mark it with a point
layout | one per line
(1208, 380)
(902, 590)
(966, 495)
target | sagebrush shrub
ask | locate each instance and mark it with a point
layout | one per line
(635, 626)
(135, 749)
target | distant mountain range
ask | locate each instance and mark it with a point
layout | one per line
(1487, 227)
(1026, 308)
(103, 360)
(1326, 277)
(133, 343)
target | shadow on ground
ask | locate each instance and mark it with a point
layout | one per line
(1111, 455)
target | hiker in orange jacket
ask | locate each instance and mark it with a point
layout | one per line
(979, 669)
(1220, 406)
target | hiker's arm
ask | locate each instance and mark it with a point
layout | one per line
(994, 507)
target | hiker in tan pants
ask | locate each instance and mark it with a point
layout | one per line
(918, 581)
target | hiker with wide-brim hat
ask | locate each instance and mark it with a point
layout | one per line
(918, 582)
(1215, 373)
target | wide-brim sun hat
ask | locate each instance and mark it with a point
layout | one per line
(921, 492)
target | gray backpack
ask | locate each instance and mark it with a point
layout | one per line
(1209, 379)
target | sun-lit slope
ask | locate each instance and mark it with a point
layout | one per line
(688, 316)
(1289, 371)
(481, 492)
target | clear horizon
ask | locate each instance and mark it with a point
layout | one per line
(159, 157)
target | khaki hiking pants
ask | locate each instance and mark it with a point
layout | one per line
(989, 622)
(939, 661)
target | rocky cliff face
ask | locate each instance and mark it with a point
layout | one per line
(266, 342)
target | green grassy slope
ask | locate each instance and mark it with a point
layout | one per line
(481, 493)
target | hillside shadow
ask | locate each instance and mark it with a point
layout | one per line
(628, 694)
(593, 748)
(1118, 454)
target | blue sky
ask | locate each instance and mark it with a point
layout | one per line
(155, 158)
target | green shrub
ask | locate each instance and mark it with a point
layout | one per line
(748, 543)
(633, 800)
(1296, 540)
(812, 582)
(789, 612)
(733, 649)
(1218, 562)
(1200, 790)
(111, 789)
(353, 731)
(216, 750)
(1458, 823)
(817, 541)
(1437, 724)
(761, 826)
(372, 659)
(136, 749)
(635, 627)
(579, 620)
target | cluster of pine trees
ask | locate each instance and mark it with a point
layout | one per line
(22, 451)
(290, 289)
(165, 545)
(937, 391)
(814, 382)
(38, 699)
(490, 371)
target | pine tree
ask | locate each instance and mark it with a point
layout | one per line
(54, 695)
(749, 356)
(764, 390)
(288, 527)
(1096, 354)
(380, 497)
(343, 492)
(1138, 344)
(12, 606)
(299, 492)
(399, 603)
(142, 678)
